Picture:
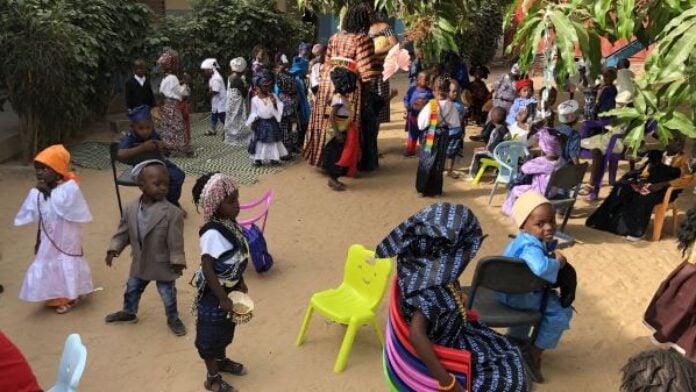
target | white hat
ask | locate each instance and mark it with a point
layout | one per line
(238, 64)
(209, 63)
(284, 59)
(568, 111)
(515, 70)
(137, 169)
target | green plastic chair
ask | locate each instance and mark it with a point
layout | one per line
(354, 302)
(485, 164)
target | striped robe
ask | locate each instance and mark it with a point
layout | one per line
(358, 47)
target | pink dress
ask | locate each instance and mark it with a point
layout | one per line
(541, 169)
(59, 270)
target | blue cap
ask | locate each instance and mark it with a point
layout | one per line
(139, 113)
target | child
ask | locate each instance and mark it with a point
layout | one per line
(498, 134)
(236, 131)
(216, 93)
(416, 67)
(59, 275)
(224, 257)
(265, 116)
(525, 89)
(436, 119)
(153, 227)
(479, 93)
(415, 99)
(670, 313)
(539, 169)
(174, 127)
(141, 143)
(520, 129)
(567, 118)
(537, 223)
(315, 68)
(504, 92)
(605, 103)
(138, 87)
(286, 88)
(456, 127)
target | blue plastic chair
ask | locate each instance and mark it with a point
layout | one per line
(72, 365)
(507, 155)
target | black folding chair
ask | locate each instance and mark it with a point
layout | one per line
(567, 182)
(124, 179)
(506, 275)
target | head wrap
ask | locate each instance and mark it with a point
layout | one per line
(265, 79)
(169, 58)
(299, 66)
(58, 159)
(568, 111)
(215, 191)
(209, 63)
(284, 59)
(317, 49)
(238, 65)
(549, 143)
(433, 247)
(304, 47)
(525, 205)
(524, 83)
(515, 70)
(139, 113)
(137, 169)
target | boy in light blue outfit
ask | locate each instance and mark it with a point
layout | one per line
(536, 219)
(525, 91)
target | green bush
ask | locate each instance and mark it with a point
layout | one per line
(479, 39)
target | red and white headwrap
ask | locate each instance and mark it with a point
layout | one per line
(217, 189)
(169, 58)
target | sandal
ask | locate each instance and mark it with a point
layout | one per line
(222, 385)
(337, 185)
(234, 368)
(67, 307)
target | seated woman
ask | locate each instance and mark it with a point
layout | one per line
(433, 247)
(538, 170)
(628, 208)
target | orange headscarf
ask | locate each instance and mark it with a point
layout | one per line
(57, 158)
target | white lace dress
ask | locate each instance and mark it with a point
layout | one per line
(59, 269)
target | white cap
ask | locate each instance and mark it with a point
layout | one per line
(209, 63)
(238, 64)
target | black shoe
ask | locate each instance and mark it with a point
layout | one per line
(258, 163)
(532, 369)
(287, 157)
(121, 316)
(1, 288)
(177, 327)
(275, 163)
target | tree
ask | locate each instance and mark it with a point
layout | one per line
(664, 93)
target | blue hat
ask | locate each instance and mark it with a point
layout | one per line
(139, 113)
(305, 46)
(300, 66)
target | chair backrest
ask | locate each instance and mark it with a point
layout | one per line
(569, 178)
(505, 274)
(366, 275)
(72, 365)
(508, 155)
(261, 215)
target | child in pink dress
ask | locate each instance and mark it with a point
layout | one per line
(59, 275)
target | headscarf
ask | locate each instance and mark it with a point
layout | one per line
(137, 169)
(265, 79)
(238, 64)
(524, 83)
(218, 187)
(304, 47)
(57, 158)
(515, 69)
(210, 63)
(549, 143)
(169, 58)
(299, 67)
(433, 247)
(139, 113)
(568, 111)
(525, 205)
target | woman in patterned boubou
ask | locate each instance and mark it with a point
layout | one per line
(433, 247)
(224, 257)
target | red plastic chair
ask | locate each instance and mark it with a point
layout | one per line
(458, 361)
(262, 215)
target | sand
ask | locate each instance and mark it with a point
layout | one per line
(308, 232)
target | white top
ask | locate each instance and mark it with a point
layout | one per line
(65, 202)
(518, 133)
(218, 103)
(315, 75)
(172, 89)
(448, 114)
(263, 109)
(214, 244)
(140, 79)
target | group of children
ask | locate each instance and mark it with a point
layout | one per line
(153, 227)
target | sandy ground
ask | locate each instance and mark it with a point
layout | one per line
(309, 231)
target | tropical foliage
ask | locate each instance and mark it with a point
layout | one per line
(666, 90)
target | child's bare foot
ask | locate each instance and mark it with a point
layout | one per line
(217, 384)
(336, 185)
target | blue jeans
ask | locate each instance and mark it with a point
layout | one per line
(214, 118)
(176, 181)
(134, 290)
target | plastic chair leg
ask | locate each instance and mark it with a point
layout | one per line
(613, 168)
(658, 222)
(675, 220)
(479, 174)
(305, 323)
(378, 331)
(346, 345)
(495, 187)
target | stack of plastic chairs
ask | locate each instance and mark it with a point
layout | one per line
(403, 370)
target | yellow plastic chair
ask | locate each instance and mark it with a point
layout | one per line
(354, 302)
(485, 164)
